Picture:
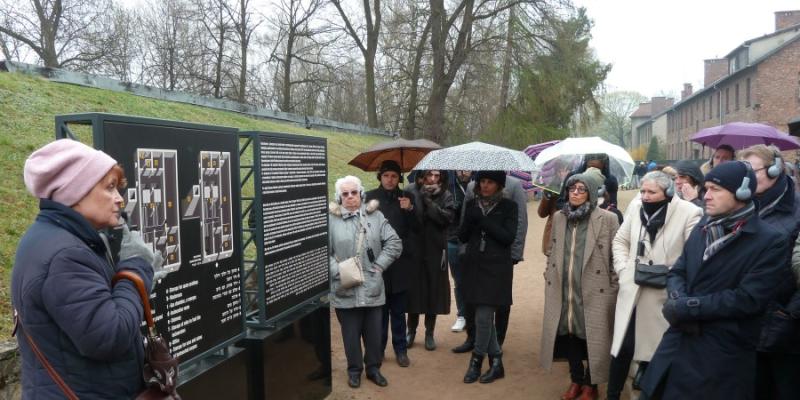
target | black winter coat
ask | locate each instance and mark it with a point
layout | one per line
(780, 331)
(710, 353)
(395, 278)
(429, 281)
(487, 274)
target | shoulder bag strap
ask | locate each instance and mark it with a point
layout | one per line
(362, 231)
(42, 359)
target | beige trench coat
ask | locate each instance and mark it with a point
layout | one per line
(598, 287)
(682, 216)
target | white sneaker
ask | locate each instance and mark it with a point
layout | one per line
(459, 325)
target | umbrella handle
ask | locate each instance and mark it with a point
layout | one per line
(139, 284)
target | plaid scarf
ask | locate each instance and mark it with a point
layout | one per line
(771, 198)
(716, 228)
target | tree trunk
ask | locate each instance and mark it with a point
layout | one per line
(220, 54)
(286, 101)
(505, 83)
(244, 35)
(410, 125)
(372, 108)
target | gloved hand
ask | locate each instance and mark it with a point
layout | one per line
(670, 311)
(134, 246)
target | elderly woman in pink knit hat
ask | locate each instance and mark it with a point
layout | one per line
(68, 313)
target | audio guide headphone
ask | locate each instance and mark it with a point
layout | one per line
(776, 168)
(743, 193)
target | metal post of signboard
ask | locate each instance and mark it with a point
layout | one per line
(252, 232)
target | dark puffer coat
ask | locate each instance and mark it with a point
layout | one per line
(88, 331)
(488, 274)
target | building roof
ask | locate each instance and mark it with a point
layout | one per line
(644, 111)
(747, 43)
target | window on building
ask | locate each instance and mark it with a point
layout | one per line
(704, 110)
(747, 94)
(711, 106)
(719, 103)
(727, 100)
(736, 99)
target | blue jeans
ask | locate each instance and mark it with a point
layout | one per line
(455, 271)
(394, 318)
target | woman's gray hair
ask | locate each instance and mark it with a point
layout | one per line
(348, 179)
(663, 180)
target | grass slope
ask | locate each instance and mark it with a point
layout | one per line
(28, 106)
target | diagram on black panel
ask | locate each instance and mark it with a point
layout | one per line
(214, 192)
(152, 204)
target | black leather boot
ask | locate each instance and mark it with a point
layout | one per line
(465, 347)
(495, 371)
(474, 370)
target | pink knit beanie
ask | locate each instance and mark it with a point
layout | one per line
(65, 171)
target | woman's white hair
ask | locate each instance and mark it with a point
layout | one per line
(348, 179)
(663, 180)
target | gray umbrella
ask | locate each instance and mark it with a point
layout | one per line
(476, 156)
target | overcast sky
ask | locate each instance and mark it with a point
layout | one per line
(657, 45)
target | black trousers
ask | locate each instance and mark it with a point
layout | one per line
(430, 323)
(621, 364)
(394, 319)
(577, 352)
(777, 375)
(501, 316)
(357, 324)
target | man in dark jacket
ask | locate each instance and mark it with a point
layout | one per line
(398, 210)
(717, 291)
(778, 206)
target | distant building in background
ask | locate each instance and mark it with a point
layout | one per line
(759, 81)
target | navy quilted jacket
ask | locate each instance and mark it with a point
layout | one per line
(89, 331)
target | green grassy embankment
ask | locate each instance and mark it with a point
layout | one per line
(28, 106)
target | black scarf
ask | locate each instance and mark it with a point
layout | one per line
(771, 198)
(653, 216)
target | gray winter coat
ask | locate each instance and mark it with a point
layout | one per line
(380, 237)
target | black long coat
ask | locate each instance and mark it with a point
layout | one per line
(711, 352)
(395, 278)
(429, 281)
(487, 274)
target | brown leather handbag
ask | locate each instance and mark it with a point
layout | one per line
(160, 367)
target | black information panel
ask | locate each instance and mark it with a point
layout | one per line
(183, 196)
(294, 196)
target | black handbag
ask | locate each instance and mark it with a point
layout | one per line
(651, 275)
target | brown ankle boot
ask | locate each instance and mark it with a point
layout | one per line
(572, 393)
(588, 393)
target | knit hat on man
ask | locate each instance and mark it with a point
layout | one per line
(730, 174)
(389, 165)
(65, 171)
(497, 176)
(592, 178)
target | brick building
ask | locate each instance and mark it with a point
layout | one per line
(759, 81)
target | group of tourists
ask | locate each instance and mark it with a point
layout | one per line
(688, 293)
(691, 292)
(470, 224)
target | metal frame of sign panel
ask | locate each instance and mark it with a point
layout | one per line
(256, 267)
(189, 369)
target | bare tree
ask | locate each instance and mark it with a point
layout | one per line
(216, 30)
(244, 25)
(167, 43)
(61, 33)
(616, 109)
(298, 39)
(372, 26)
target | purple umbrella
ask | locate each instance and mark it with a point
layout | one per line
(743, 134)
(533, 150)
